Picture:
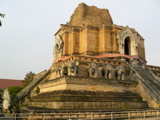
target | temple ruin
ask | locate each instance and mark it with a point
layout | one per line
(97, 65)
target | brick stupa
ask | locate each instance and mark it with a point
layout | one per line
(97, 65)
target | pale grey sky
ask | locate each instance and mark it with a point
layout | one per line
(27, 33)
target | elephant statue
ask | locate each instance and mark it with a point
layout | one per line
(120, 73)
(61, 70)
(137, 63)
(93, 70)
(58, 71)
(106, 71)
(72, 68)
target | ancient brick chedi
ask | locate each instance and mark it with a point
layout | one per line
(91, 32)
(97, 65)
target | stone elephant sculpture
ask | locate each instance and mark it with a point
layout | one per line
(61, 70)
(93, 70)
(107, 71)
(58, 71)
(120, 72)
(72, 68)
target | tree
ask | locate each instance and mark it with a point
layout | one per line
(14, 90)
(28, 78)
(1, 94)
(1, 15)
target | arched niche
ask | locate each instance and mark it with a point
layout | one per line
(58, 48)
(56, 51)
(127, 42)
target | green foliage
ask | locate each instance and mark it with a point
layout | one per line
(1, 95)
(14, 91)
(14, 107)
(28, 78)
(1, 15)
(127, 70)
(37, 90)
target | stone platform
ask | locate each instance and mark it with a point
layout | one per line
(69, 92)
(88, 84)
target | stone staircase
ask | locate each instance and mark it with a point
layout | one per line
(31, 86)
(148, 80)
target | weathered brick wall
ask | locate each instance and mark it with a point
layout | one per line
(89, 84)
(89, 105)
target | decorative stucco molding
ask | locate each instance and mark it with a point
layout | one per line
(58, 48)
(126, 32)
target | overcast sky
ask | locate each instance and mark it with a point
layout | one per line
(27, 32)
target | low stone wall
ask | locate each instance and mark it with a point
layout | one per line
(153, 68)
(87, 96)
(89, 105)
